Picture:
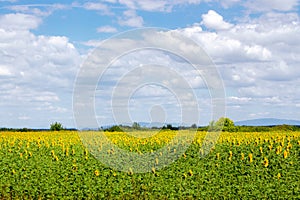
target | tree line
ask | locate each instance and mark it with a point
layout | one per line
(223, 124)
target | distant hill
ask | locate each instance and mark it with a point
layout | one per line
(159, 124)
(153, 124)
(267, 122)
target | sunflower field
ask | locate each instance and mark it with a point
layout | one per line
(56, 165)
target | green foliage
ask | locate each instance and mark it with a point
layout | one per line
(223, 124)
(253, 128)
(170, 127)
(56, 127)
(194, 126)
(267, 128)
(37, 175)
(114, 129)
(285, 127)
(136, 126)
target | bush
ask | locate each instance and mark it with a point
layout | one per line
(136, 126)
(114, 129)
(56, 126)
(223, 124)
(170, 127)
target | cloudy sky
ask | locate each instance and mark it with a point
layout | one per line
(255, 45)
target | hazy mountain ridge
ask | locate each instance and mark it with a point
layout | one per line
(267, 122)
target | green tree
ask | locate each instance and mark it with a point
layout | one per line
(136, 126)
(114, 129)
(56, 126)
(223, 124)
(194, 126)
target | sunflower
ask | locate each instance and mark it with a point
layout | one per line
(250, 157)
(96, 172)
(278, 176)
(266, 162)
(285, 154)
(218, 156)
(243, 156)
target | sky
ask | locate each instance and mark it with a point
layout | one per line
(44, 45)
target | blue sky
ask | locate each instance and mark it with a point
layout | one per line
(253, 43)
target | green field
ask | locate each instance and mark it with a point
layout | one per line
(55, 165)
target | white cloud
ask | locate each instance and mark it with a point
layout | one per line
(106, 29)
(110, 1)
(148, 5)
(258, 52)
(158, 5)
(43, 10)
(94, 6)
(269, 5)
(47, 97)
(92, 43)
(4, 71)
(131, 19)
(23, 117)
(19, 22)
(98, 7)
(151, 5)
(239, 100)
(191, 31)
(271, 37)
(26, 9)
(125, 65)
(129, 3)
(213, 20)
(228, 3)
(261, 5)
(34, 69)
(279, 71)
(256, 56)
(259, 114)
(257, 60)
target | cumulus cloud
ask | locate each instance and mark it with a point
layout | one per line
(131, 19)
(213, 20)
(256, 58)
(179, 71)
(34, 69)
(262, 39)
(19, 21)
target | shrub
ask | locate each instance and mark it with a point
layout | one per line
(56, 126)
